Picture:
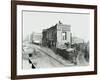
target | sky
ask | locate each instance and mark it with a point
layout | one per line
(35, 21)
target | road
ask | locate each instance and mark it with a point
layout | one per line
(45, 58)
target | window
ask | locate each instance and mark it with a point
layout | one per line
(64, 35)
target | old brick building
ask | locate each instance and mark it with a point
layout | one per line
(57, 35)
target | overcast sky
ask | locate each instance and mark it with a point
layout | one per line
(37, 21)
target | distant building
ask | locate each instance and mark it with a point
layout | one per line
(56, 35)
(77, 40)
(36, 38)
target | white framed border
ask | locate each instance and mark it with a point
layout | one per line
(20, 71)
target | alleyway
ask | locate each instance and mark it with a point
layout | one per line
(81, 60)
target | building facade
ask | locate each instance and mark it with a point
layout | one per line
(57, 35)
(36, 38)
